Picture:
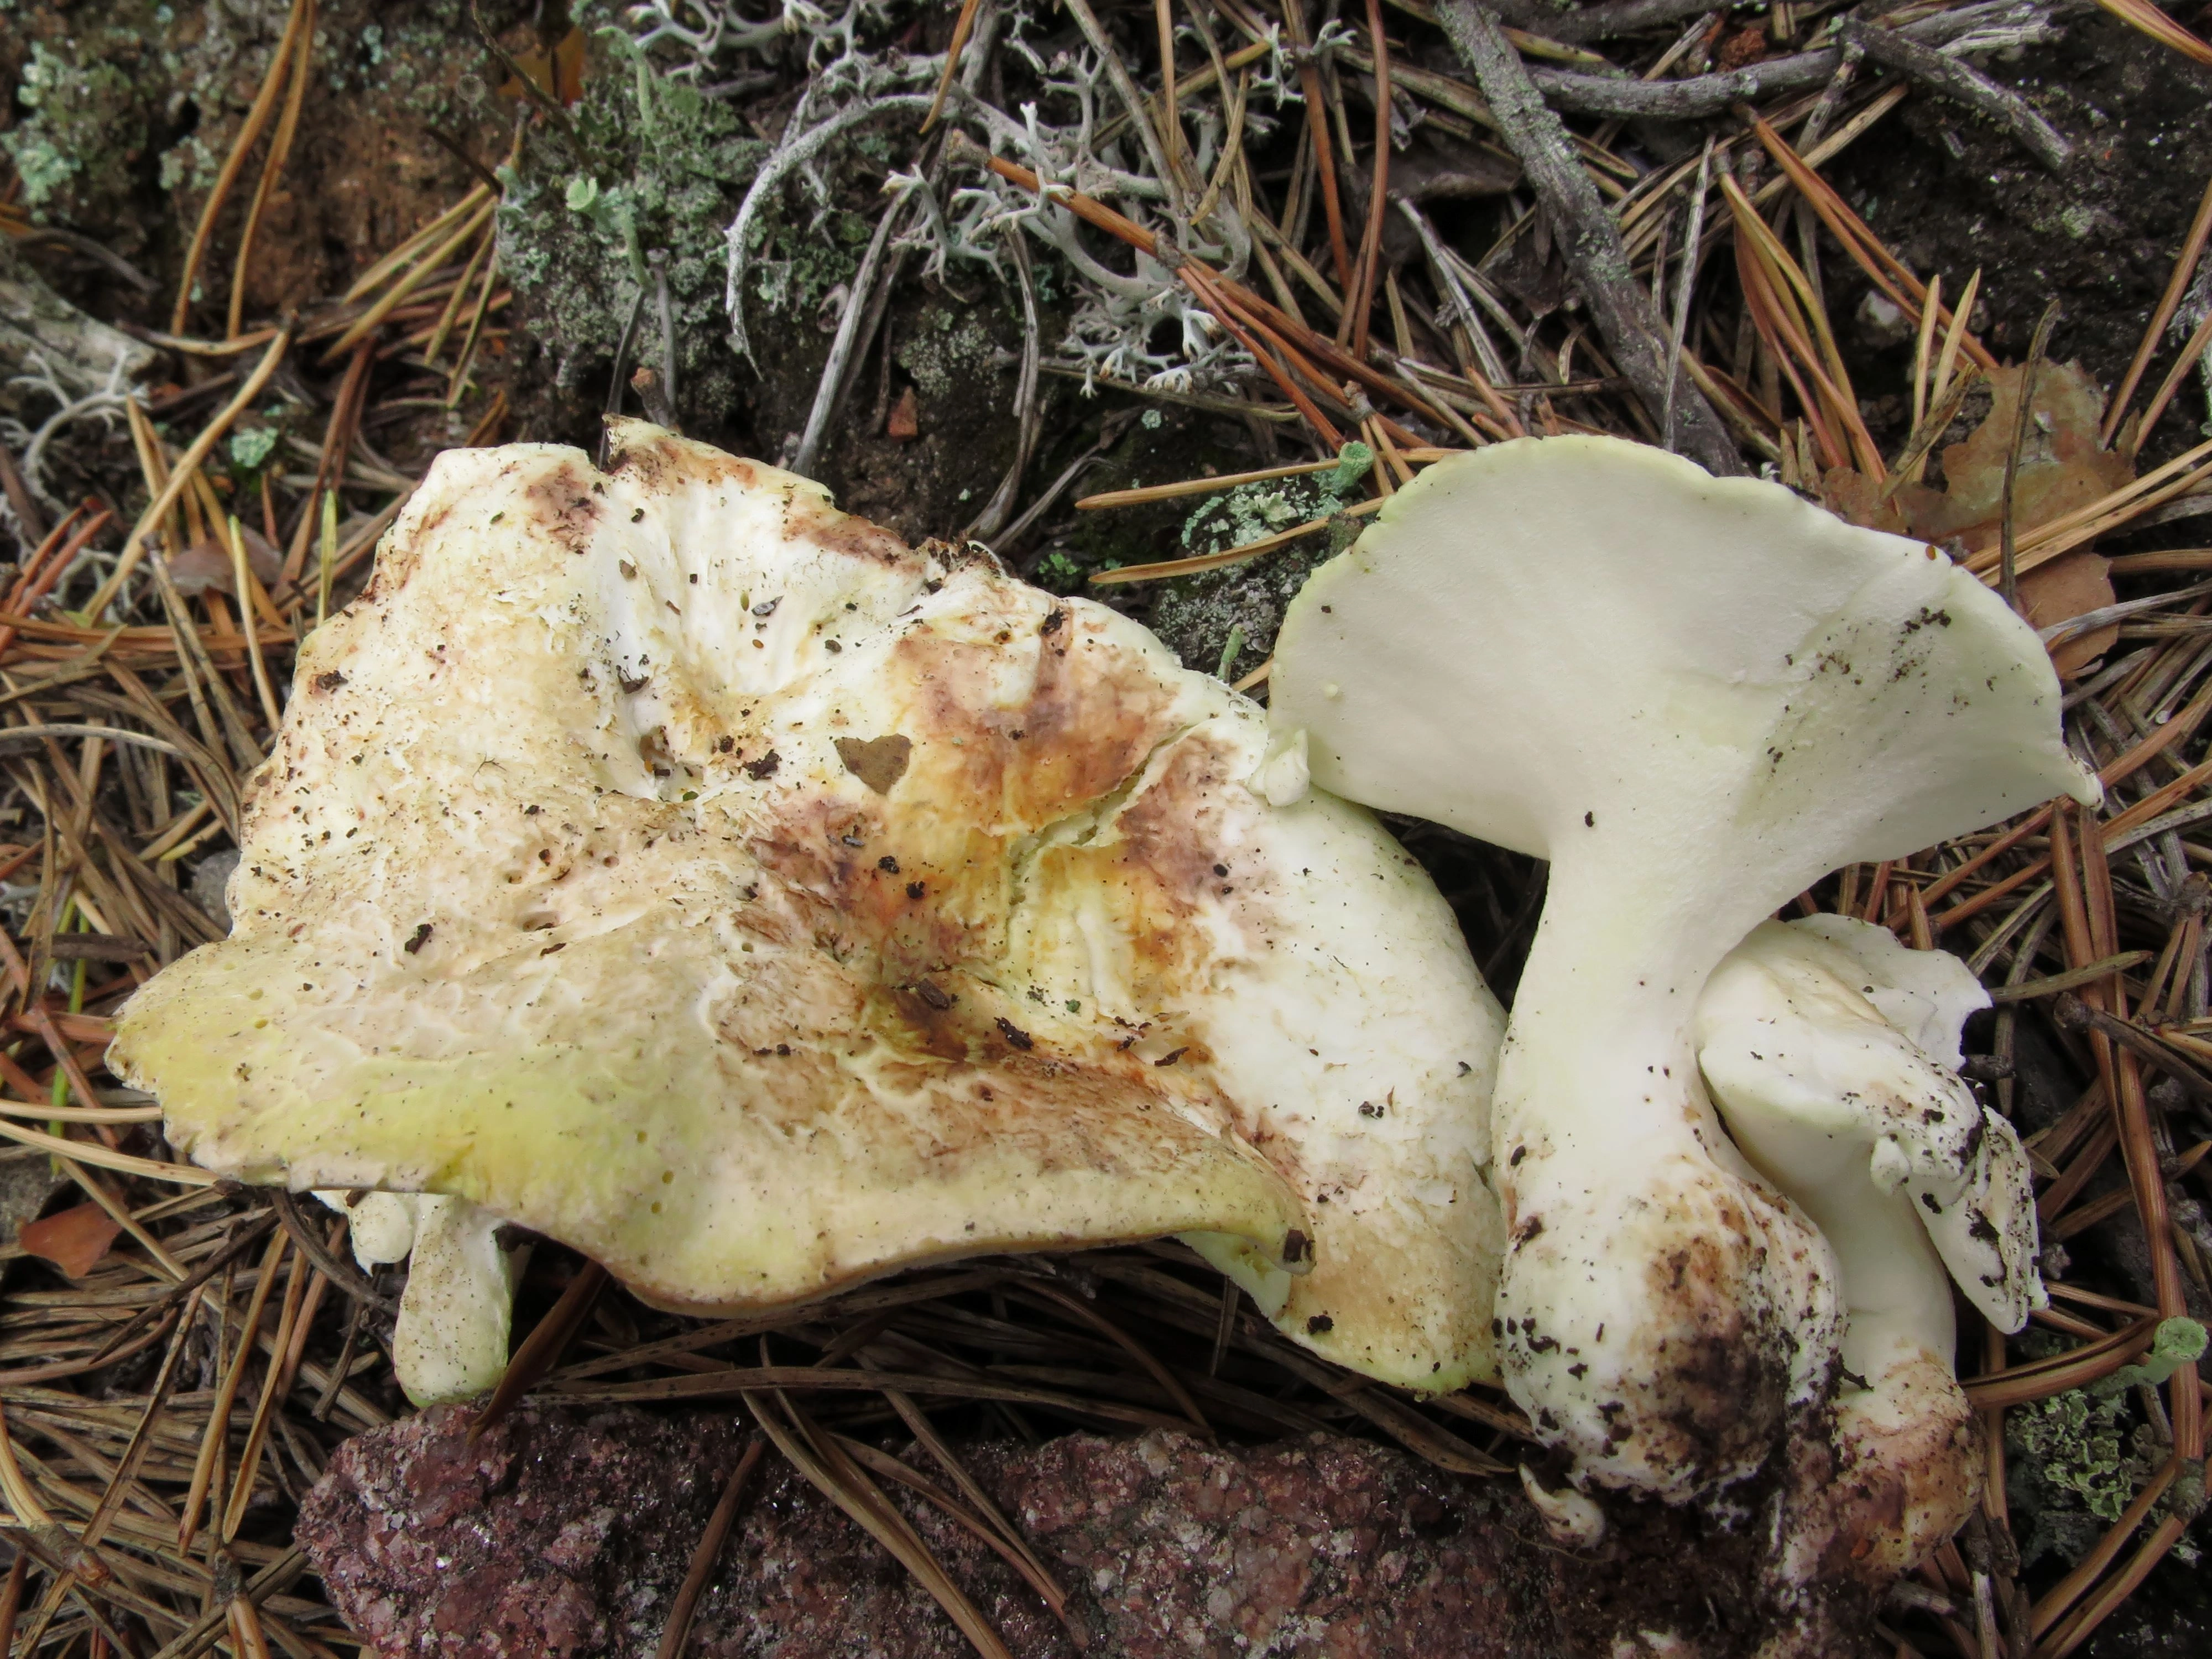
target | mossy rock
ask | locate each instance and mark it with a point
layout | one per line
(648, 166)
(1198, 615)
(91, 92)
(1224, 621)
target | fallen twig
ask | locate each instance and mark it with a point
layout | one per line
(1587, 233)
(1962, 84)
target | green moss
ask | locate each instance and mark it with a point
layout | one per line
(2178, 1341)
(189, 165)
(405, 58)
(89, 123)
(251, 446)
(651, 166)
(1177, 444)
(1198, 615)
(108, 88)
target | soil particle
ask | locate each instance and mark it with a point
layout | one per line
(927, 435)
(124, 114)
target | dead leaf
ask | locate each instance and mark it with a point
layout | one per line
(2063, 465)
(559, 73)
(73, 1241)
(1857, 499)
(206, 564)
(2059, 592)
(905, 424)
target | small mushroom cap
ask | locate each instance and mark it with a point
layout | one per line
(1664, 656)
(1927, 996)
(1824, 1087)
(679, 867)
(1572, 1518)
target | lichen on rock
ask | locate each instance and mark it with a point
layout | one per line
(654, 166)
(1201, 616)
(951, 349)
(2073, 1462)
(92, 110)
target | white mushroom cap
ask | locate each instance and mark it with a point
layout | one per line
(1694, 696)
(1827, 1091)
(1927, 996)
(1827, 1046)
(690, 872)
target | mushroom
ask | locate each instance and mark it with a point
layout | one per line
(676, 866)
(1694, 696)
(1830, 1048)
(450, 1340)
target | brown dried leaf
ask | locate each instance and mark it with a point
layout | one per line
(879, 763)
(2063, 465)
(1746, 46)
(1857, 499)
(206, 564)
(73, 1241)
(2066, 587)
(557, 71)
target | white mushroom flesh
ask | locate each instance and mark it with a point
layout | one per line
(1694, 696)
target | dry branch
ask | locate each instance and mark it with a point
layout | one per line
(1587, 233)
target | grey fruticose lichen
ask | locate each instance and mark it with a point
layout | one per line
(671, 864)
(1694, 696)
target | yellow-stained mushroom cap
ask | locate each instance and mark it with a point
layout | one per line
(673, 864)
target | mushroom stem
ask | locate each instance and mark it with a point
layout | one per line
(1663, 1311)
(1693, 696)
(450, 1342)
(1903, 1465)
(1895, 1291)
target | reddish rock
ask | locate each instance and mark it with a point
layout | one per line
(565, 1533)
(1322, 1546)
